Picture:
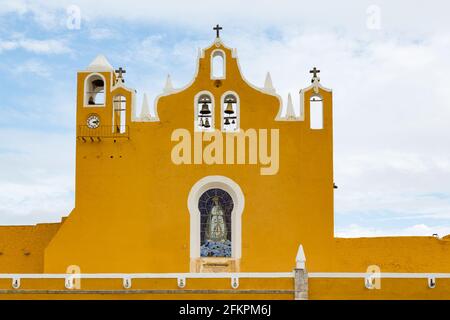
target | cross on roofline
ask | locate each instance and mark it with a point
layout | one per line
(120, 71)
(217, 28)
(315, 72)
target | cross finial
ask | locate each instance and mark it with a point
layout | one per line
(121, 71)
(314, 71)
(217, 28)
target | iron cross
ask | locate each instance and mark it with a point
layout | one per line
(120, 72)
(315, 72)
(217, 28)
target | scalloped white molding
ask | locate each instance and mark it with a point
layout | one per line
(233, 189)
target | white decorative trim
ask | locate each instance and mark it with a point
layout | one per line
(201, 55)
(181, 281)
(100, 64)
(314, 86)
(213, 107)
(280, 106)
(175, 91)
(238, 110)
(168, 87)
(300, 259)
(218, 52)
(290, 114)
(431, 282)
(189, 275)
(235, 282)
(223, 275)
(233, 189)
(127, 282)
(146, 115)
(85, 100)
(15, 283)
(268, 85)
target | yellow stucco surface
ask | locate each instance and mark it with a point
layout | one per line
(22, 247)
(131, 213)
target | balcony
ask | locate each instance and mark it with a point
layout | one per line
(86, 134)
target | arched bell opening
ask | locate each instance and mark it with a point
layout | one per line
(316, 112)
(94, 90)
(204, 112)
(230, 112)
(119, 114)
(218, 64)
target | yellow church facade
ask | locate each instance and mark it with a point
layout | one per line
(210, 193)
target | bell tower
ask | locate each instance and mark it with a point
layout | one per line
(103, 102)
(316, 185)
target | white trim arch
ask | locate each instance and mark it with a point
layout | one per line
(218, 53)
(196, 111)
(233, 189)
(85, 88)
(316, 121)
(238, 111)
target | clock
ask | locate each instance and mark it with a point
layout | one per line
(93, 121)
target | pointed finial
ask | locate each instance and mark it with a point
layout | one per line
(100, 63)
(168, 87)
(290, 114)
(268, 85)
(300, 259)
(145, 111)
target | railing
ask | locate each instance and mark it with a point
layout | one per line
(182, 278)
(386, 275)
(85, 133)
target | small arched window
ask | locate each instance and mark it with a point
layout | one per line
(218, 64)
(316, 112)
(230, 112)
(119, 114)
(94, 94)
(204, 113)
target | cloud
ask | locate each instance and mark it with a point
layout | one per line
(48, 46)
(33, 67)
(101, 33)
(357, 231)
(38, 186)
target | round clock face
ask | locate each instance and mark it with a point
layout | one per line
(93, 121)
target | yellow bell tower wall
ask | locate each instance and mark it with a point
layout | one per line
(131, 212)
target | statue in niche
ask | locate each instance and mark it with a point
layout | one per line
(216, 229)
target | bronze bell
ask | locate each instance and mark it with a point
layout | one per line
(227, 121)
(206, 125)
(205, 109)
(233, 122)
(229, 108)
(201, 122)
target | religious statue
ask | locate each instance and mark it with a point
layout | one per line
(216, 229)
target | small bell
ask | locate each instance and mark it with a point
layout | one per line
(206, 125)
(227, 121)
(233, 122)
(201, 122)
(205, 109)
(229, 108)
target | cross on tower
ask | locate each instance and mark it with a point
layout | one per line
(120, 71)
(315, 72)
(217, 28)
